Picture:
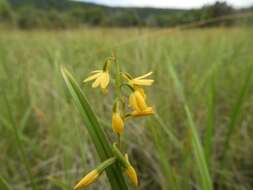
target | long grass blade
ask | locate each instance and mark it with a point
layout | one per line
(95, 131)
(209, 134)
(199, 153)
(205, 179)
(235, 113)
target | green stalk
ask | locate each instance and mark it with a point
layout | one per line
(96, 133)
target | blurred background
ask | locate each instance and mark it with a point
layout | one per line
(51, 14)
(200, 53)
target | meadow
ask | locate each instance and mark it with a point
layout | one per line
(203, 79)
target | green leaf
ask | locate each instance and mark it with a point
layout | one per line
(96, 133)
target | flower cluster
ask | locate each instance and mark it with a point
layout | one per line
(136, 99)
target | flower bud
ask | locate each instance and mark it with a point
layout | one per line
(88, 179)
(117, 123)
(132, 175)
(131, 172)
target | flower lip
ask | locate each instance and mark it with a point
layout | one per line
(141, 81)
(146, 112)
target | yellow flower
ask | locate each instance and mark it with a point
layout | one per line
(131, 172)
(138, 104)
(88, 179)
(101, 78)
(137, 101)
(146, 112)
(117, 123)
(140, 81)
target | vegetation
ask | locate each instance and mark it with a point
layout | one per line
(55, 14)
(202, 96)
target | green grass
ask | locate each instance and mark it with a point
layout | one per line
(201, 137)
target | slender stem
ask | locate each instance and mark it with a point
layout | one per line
(119, 141)
(117, 78)
(118, 84)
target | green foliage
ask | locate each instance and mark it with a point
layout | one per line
(55, 14)
(6, 14)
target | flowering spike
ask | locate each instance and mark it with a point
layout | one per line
(136, 101)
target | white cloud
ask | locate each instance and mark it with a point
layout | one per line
(169, 3)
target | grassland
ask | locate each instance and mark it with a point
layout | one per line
(208, 71)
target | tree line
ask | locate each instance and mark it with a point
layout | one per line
(55, 14)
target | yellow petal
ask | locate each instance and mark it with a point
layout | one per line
(97, 82)
(117, 123)
(141, 90)
(144, 76)
(105, 79)
(132, 175)
(87, 180)
(140, 101)
(142, 82)
(133, 103)
(92, 77)
(97, 71)
(146, 112)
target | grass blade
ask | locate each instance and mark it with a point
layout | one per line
(95, 131)
(210, 123)
(235, 113)
(205, 179)
(199, 153)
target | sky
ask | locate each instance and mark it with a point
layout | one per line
(169, 3)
